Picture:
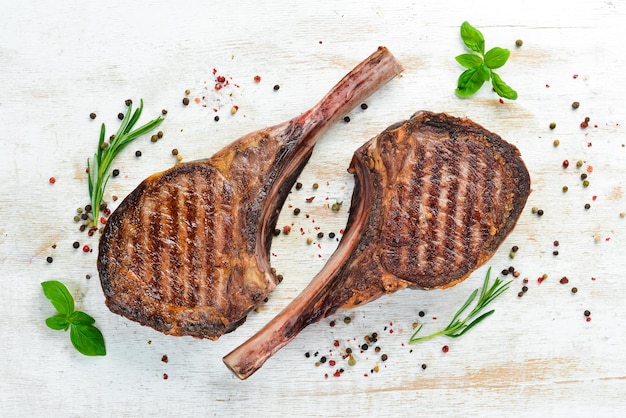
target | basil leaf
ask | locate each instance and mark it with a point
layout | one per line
(59, 296)
(496, 57)
(472, 38)
(502, 88)
(87, 339)
(58, 322)
(469, 60)
(484, 72)
(80, 318)
(469, 83)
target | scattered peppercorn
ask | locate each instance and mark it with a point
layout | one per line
(540, 212)
(555, 252)
(323, 359)
(276, 87)
(586, 183)
(364, 106)
(276, 232)
(520, 294)
(164, 112)
(216, 118)
(445, 348)
(534, 209)
(552, 125)
(154, 138)
(564, 280)
(565, 189)
(296, 211)
(505, 272)
(421, 314)
(575, 105)
(298, 186)
(86, 248)
(524, 289)
(519, 43)
(364, 347)
(556, 142)
(175, 151)
(137, 153)
(574, 289)
(120, 116)
(320, 235)
(115, 172)
(587, 312)
(92, 115)
(424, 366)
(315, 186)
(587, 206)
(331, 235)
(579, 163)
(347, 320)
(384, 357)
(186, 101)
(49, 259)
(52, 180)
(346, 119)
(164, 358)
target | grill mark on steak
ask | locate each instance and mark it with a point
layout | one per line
(187, 251)
(472, 182)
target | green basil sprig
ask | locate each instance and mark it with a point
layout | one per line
(480, 65)
(85, 337)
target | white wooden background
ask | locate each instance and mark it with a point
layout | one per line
(536, 356)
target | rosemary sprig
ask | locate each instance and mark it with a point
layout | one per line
(458, 327)
(98, 166)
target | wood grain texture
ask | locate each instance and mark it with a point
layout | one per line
(536, 356)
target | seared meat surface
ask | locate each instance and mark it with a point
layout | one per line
(434, 197)
(187, 252)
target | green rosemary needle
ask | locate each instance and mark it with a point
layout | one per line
(98, 166)
(458, 327)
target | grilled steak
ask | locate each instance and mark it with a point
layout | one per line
(187, 252)
(434, 197)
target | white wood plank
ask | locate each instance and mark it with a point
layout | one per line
(536, 356)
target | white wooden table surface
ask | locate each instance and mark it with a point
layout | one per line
(536, 356)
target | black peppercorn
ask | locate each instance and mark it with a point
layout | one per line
(116, 172)
(137, 153)
(276, 87)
